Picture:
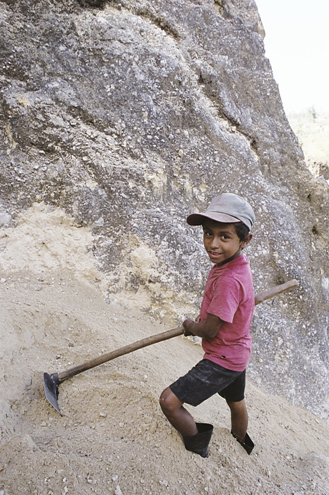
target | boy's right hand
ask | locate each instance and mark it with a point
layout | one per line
(207, 329)
(187, 324)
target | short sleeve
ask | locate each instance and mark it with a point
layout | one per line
(226, 299)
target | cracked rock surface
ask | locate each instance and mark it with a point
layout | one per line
(129, 115)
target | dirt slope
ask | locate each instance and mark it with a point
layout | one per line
(112, 437)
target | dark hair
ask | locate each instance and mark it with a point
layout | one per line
(242, 231)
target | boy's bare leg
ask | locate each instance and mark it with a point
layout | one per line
(176, 414)
(239, 419)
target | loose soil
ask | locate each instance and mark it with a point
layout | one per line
(112, 437)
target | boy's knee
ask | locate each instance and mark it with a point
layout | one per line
(168, 401)
(164, 400)
(235, 406)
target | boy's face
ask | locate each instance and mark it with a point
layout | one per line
(221, 241)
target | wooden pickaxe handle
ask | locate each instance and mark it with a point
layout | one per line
(274, 291)
(153, 339)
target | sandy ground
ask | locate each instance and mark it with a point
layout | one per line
(112, 437)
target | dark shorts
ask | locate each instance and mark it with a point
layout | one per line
(206, 379)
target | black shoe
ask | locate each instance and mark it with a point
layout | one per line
(199, 443)
(248, 444)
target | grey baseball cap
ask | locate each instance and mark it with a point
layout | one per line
(226, 208)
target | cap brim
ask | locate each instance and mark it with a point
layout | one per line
(199, 218)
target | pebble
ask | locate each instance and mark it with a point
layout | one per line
(118, 491)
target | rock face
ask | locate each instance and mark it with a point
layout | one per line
(130, 115)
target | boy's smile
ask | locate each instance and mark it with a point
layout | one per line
(221, 241)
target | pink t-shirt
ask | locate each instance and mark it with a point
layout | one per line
(229, 294)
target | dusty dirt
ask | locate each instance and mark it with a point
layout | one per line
(112, 437)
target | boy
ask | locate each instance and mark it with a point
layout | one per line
(224, 325)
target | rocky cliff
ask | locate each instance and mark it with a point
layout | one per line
(128, 115)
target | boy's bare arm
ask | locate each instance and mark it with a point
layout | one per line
(206, 329)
